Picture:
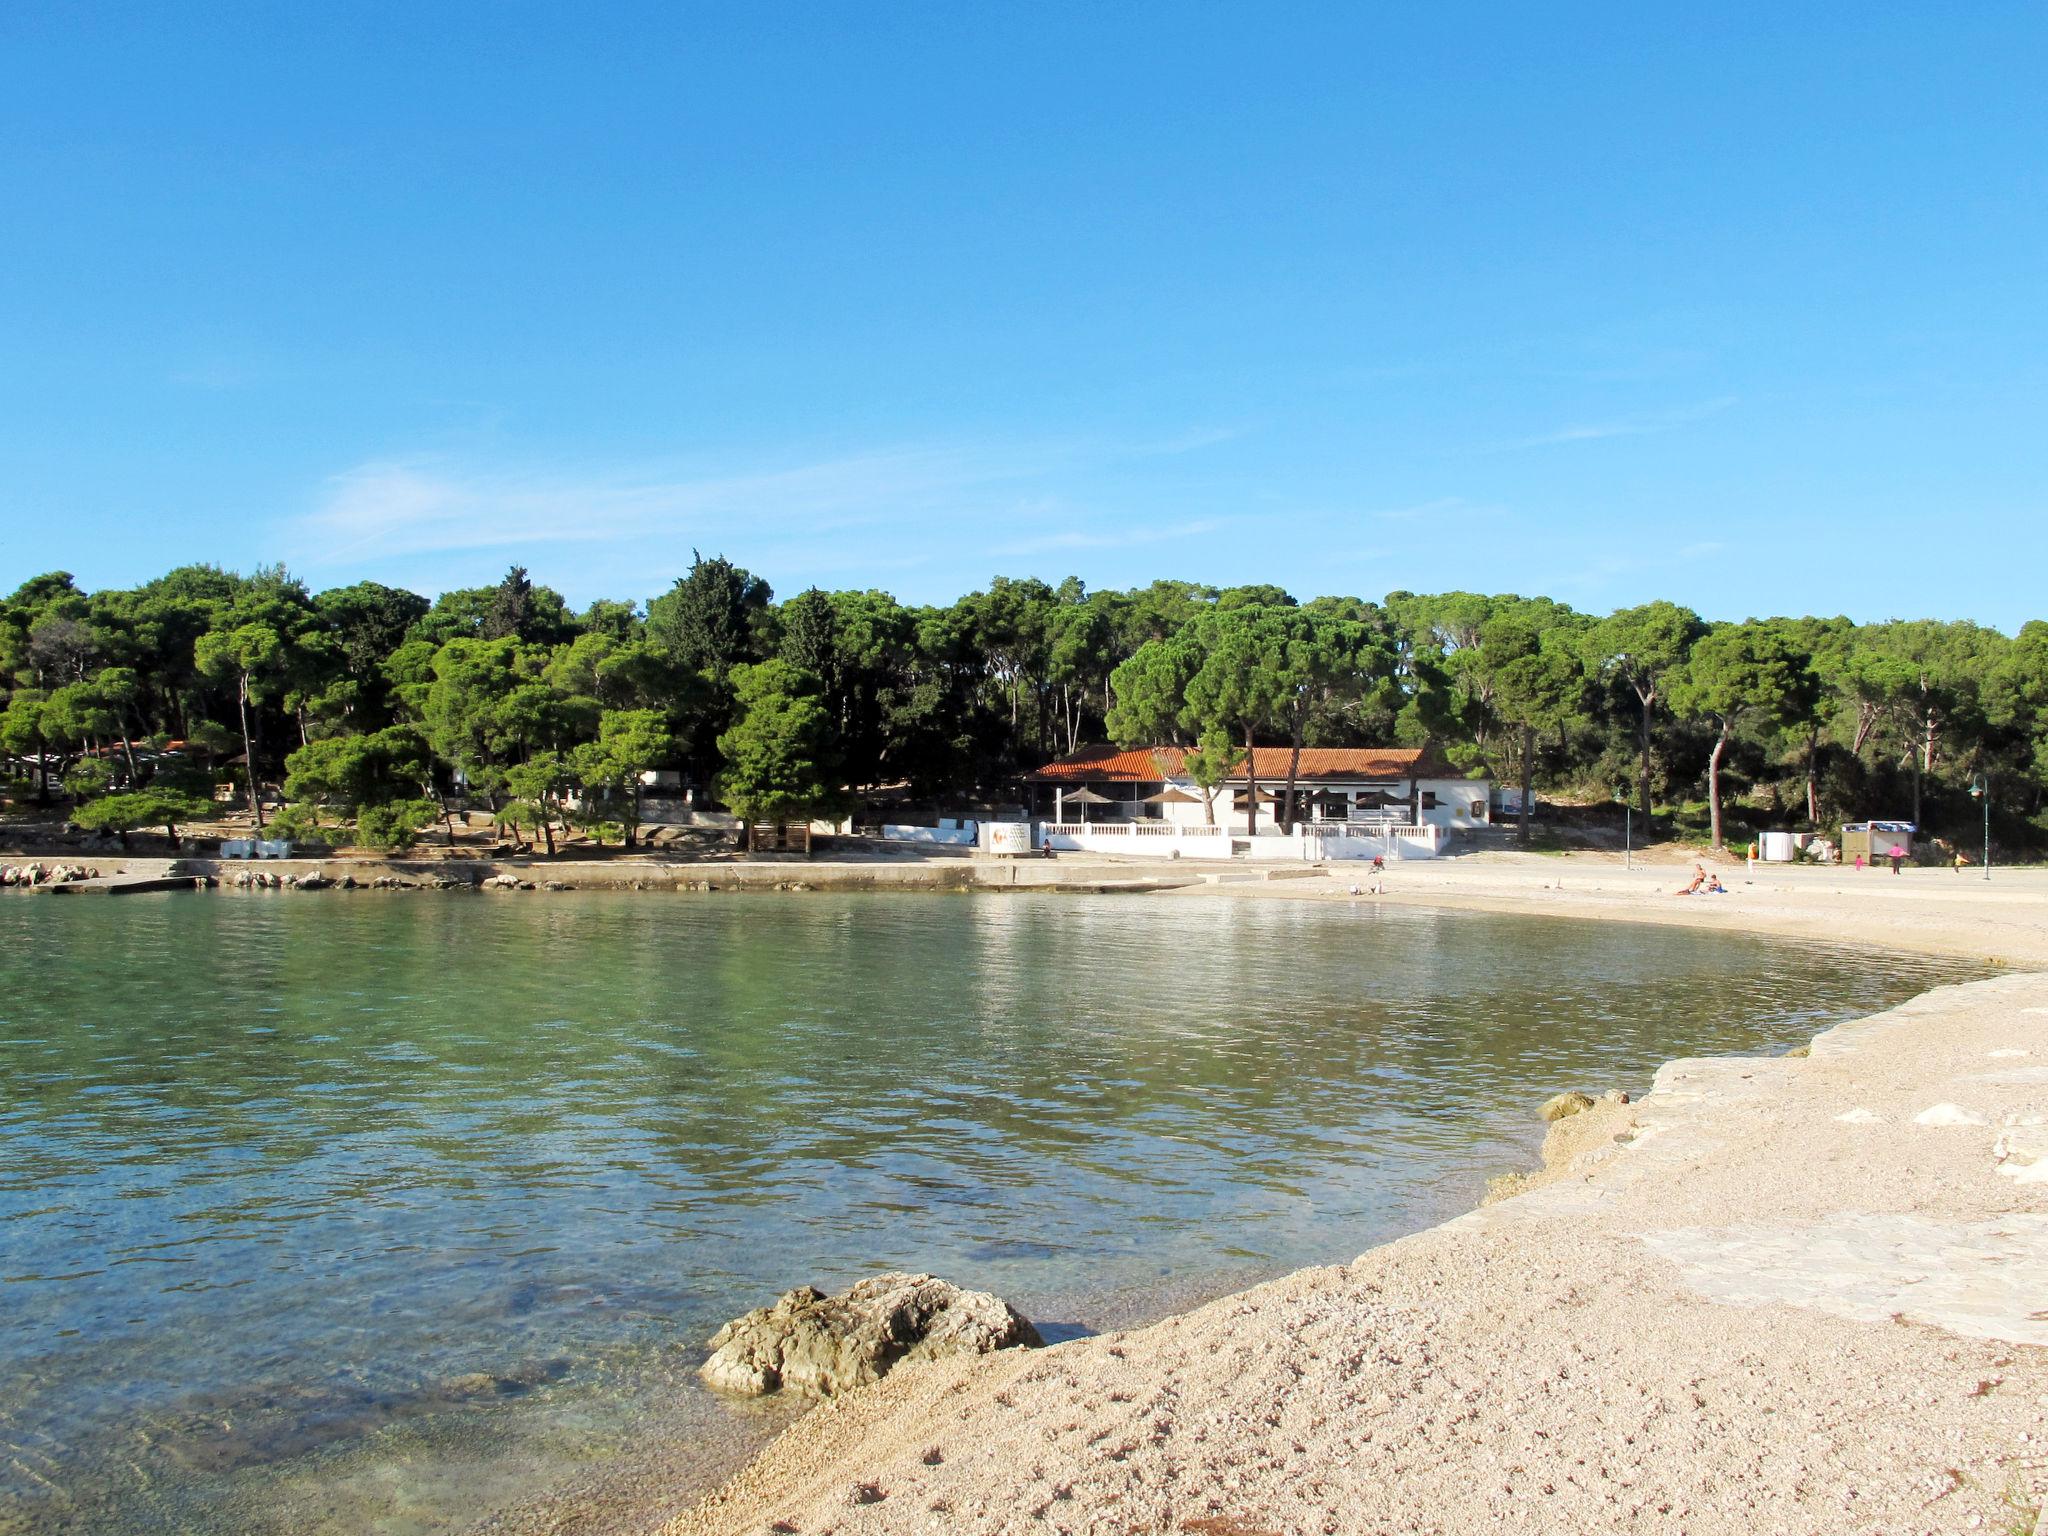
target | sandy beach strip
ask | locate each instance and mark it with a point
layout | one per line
(1796, 1295)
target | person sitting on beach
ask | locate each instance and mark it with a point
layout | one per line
(1699, 881)
(1715, 887)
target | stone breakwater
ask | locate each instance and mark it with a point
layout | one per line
(652, 875)
(1774, 1294)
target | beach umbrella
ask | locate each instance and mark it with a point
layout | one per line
(1084, 798)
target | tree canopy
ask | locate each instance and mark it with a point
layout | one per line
(373, 710)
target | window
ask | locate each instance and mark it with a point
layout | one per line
(1429, 799)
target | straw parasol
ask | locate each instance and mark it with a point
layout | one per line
(1084, 797)
(1173, 794)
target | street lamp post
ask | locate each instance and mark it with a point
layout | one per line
(1980, 791)
(1628, 830)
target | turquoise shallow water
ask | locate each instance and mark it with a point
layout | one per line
(376, 1211)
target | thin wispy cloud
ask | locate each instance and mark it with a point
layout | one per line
(1640, 425)
(408, 507)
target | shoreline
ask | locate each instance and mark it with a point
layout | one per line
(2003, 922)
(1217, 1460)
(1141, 1431)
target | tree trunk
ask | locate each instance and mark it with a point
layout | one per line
(1813, 778)
(1714, 785)
(128, 748)
(547, 825)
(1287, 805)
(1925, 765)
(249, 754)
(1528, 778)
(1251, 789)
(1643, 772)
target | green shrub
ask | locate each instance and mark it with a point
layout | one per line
(395, 825)
(124, 813)
(298, 823)
(89, 778)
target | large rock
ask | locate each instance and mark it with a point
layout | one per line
(1564, 1104)
(820, 1344)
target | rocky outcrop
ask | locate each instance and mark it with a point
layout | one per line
(1582, 1125)
(28, 876)
(1555, 1109)
(819, 1344)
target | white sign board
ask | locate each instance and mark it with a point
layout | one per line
(1006, 836)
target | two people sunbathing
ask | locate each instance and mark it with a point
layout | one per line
(1702, 884)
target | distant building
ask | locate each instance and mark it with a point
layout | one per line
(1352, 786)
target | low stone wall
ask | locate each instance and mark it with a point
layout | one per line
(634, 875)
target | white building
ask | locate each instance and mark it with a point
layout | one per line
(1349, 802)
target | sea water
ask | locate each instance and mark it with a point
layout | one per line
(372, 1211)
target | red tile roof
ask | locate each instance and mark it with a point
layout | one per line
(1151, 765)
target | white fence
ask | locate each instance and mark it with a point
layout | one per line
(963, 836)
(1312, 842)
(1366, 840)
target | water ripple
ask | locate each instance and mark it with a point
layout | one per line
(387, 1182)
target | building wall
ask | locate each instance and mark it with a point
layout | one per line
(1304, 845)
(1461, 804)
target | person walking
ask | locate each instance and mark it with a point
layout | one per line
(1897, 856)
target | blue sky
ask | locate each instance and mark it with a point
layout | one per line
(1745, 306)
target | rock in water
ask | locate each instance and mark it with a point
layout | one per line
(823, 1344)
(1564, 1104)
